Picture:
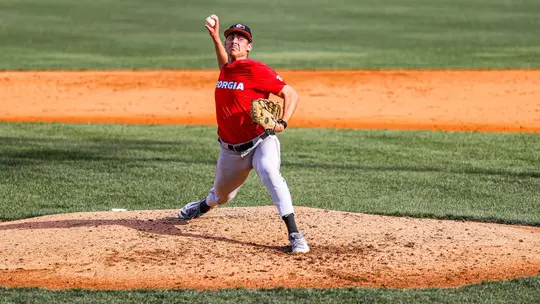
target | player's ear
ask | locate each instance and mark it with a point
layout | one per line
(249, 47)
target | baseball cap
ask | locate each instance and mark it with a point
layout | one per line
(240, 28)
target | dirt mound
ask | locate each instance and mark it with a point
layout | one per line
(247, 247)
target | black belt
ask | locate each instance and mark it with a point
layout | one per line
(245, 146)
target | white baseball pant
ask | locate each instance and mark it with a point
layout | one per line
(233, 169)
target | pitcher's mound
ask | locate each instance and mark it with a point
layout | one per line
(248, 247)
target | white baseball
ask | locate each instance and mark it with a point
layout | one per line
(210, 21)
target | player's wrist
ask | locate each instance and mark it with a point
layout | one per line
(283, 123)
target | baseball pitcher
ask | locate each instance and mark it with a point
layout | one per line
(247, 123)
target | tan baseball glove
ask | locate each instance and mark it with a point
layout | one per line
(265, 113)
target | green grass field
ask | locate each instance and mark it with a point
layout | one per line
(515, 291)
(141, 34)
(57, 168)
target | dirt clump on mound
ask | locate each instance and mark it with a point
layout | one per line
(247, 247)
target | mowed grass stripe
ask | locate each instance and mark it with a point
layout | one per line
(524, 290)
(59, 168)
(346, 34)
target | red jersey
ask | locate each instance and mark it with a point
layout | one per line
(238, 84)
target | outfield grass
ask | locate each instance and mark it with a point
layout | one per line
(314, 34)
(57, 168)
(526, 290)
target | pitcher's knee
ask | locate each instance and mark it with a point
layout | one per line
(221, 200)
(272, 178)
(213, 199)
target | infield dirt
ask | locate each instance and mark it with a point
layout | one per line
(433, 100)
(247, 247)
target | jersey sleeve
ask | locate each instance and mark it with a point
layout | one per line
(267, 80)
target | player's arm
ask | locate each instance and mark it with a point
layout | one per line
(290, 101)
(221, 54)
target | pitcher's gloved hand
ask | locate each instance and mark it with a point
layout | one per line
(266, 113)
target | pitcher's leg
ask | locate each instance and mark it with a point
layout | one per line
(231, 172)
(267, 162)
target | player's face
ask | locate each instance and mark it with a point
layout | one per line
(237, 45)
